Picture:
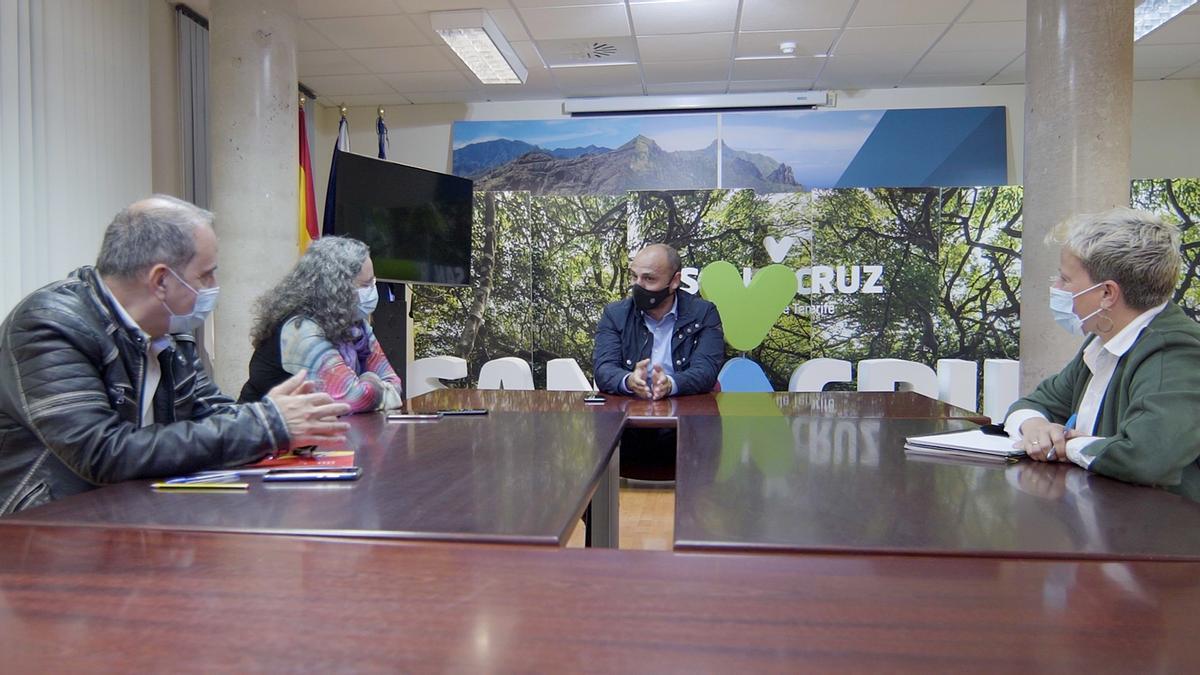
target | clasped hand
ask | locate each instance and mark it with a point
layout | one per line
(649, 383)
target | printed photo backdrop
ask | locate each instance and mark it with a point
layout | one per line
(918, 274)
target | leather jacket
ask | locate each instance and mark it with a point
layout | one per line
(697, 344)
(70, 402)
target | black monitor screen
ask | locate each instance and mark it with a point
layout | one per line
(417, 222)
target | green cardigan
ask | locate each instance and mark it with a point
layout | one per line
(1150, 418)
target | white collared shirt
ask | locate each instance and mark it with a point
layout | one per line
(154, 347)
(1101, 357)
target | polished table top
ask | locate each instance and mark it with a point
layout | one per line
(666, 412)
(751, 481)
(89, 599)
(501, 477)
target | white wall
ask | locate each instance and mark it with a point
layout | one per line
(74, 132)
(1165, 143)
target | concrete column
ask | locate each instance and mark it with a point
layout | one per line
(254, 152)
(1078, 110)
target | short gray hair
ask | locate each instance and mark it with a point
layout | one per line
(161, 229)
(320, 287)
(1136, 249)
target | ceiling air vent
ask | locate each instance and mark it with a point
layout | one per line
(593, 52)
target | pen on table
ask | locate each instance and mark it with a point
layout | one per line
(219, 487)
(202, 478)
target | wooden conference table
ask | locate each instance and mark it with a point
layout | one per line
(792, 472)
(135, 600)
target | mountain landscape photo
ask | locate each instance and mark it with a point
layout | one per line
(639, 164)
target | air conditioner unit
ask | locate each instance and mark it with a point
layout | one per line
(619, 105)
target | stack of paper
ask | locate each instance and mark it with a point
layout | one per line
(972, 444)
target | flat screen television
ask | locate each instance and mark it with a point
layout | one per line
(417, 222)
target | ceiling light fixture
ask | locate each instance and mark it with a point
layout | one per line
(787, 47)
(1151, 14)
(477, 40)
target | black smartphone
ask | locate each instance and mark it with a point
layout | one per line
(464, 411)
(593, 399)
(413, 417)
(350, 473)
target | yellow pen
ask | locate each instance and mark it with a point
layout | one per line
(200, 486)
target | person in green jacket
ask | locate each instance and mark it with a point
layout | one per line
(1127, 405)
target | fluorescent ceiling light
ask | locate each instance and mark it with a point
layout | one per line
(1151, 14)
(477, 40)
(630, 104)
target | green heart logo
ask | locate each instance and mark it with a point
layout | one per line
(747, 312)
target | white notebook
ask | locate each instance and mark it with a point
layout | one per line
(974, 441)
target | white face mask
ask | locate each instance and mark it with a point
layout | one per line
(1062, 305)
(368, 299)
(206, 300)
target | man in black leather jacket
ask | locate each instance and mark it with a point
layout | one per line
(101, 382)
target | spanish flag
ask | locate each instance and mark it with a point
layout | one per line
(309, 229)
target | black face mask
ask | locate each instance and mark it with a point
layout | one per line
(647, 300)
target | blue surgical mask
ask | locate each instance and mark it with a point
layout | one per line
(368, 300)
(1062, 305)
(206, 300)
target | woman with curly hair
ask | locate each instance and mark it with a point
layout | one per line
(316, 319)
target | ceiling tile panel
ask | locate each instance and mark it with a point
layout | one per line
(1189, 73)
(701, 46)
(769, 85)
(308, 39)
(694, 16)
(322, 9)
(794, 14)
(448, 80)
(894, 13)
(375, 31)
(995, 10)
(1152, 73)
(983, 62)
(528, 53)
(799, 68)
(686, 71)
(1165, 56)
(554, 23)
(686, 88)
(943, 80)
(510, 24)
(419, 6)
(998, 35)
(405, 59)
(1014, 73)
(766, 43)
(347, 85)
(362, 100)
(328, 62)
(601, 76)
(882, 41)
(521, 4)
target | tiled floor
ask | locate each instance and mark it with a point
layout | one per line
(647, 520)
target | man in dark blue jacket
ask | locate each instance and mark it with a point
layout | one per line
(658, 342)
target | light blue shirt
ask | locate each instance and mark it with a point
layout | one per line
(660, 351)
